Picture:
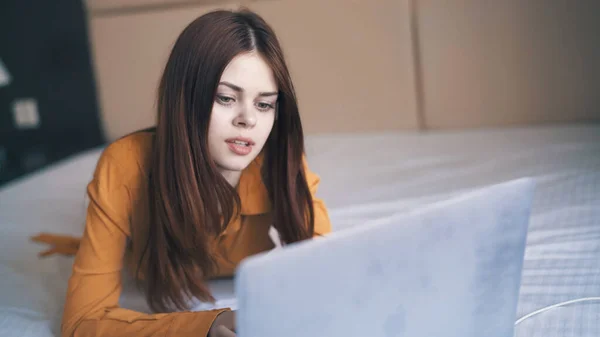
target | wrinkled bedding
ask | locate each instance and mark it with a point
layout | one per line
(364, 178)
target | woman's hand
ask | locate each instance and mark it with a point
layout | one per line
(223, 326)
(60, 244)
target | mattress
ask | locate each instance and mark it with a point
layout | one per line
(364, 178)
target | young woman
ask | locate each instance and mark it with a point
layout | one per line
(189, 200)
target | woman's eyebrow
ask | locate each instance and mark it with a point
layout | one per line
(266, 94)
(240, 89)
(232, 86)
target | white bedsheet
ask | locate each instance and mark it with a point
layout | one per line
(364, 178)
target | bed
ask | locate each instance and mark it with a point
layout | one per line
(364, 178)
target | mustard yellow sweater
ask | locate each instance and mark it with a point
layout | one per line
(119, 207)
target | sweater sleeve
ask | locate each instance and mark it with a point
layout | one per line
(91, 307)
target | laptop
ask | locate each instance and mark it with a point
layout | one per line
(451, 269)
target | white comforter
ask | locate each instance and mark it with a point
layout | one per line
(364, 178)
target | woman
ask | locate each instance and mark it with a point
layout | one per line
(189, 200)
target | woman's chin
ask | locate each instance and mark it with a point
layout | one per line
(235, 164)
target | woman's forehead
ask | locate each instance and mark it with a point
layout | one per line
(250, 72)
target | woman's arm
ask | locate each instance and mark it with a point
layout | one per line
(91, 307)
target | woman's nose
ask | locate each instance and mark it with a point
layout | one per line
(246, 118)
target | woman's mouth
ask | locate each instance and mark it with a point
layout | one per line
(240, 146)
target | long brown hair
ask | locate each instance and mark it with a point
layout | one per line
(190, 202)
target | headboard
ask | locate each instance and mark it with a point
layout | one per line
(378, 65)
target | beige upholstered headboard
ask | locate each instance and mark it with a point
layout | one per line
(378, 65)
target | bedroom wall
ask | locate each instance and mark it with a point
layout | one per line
(352, 65)
(498, 63)
(363, 66)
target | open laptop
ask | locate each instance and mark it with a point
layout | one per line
(451, 269)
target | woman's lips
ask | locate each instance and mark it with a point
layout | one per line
(240, 146)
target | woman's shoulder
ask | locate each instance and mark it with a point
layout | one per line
(131, 153)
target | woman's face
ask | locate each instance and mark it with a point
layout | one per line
(243, 113)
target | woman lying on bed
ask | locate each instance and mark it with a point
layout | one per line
(189, 200)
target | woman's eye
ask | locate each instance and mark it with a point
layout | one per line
(264, 106)
(225, 100)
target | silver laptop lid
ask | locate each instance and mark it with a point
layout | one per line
(451, 269)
